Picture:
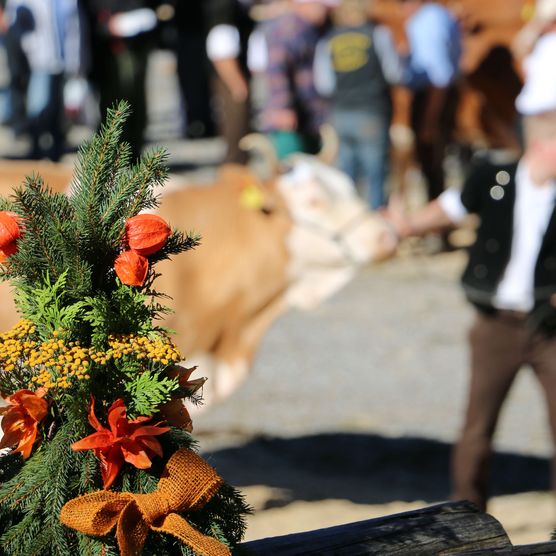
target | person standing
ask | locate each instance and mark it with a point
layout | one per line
(435, 49)
(510, 279)
(121, 40)
(50, 35)
(193, 68)
(230, 27)
(355, 65)
(294, 111)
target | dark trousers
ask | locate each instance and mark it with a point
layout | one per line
(194, 79)
(500, 345)
(234, 121)
(430, 153)
(121, 75)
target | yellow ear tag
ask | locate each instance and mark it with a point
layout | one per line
(527, 12)
(252, 197)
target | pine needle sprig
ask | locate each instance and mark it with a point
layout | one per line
(178, 242)
(50, 234)
(98, 165)
(135, 190)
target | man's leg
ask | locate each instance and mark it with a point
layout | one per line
(373, 154)
(497, 352)
(543, 361)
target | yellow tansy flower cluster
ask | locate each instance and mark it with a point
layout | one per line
(57, 363)
(159, 350)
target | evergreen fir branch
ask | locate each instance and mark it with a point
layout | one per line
(134, 191)
(6, 204)
(89, 474)
(177, 243)
(22, 533)
(147, 391)
(49, 233)
(92, 546)
(38, 491)
(98, 165)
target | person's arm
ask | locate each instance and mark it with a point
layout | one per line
(394, 66)
(324, 76)
(223, 48)
(441, 214)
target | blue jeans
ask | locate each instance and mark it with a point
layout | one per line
(45, 110)
(365, 149)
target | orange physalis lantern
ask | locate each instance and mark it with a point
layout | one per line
(146, 233)
(21, 420)
(131, 268)
(10, 232)
(8, 250)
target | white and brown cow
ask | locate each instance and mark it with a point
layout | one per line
(300, 241)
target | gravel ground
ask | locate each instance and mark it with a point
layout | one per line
(386, 355)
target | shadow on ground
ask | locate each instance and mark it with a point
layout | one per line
(366, 469)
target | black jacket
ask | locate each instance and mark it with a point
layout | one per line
(490, 192)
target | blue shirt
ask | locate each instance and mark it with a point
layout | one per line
(435, 46)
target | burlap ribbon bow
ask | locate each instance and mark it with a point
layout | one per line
(187, 483)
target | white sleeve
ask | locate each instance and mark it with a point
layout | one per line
(323, 72)
(223, 42)
(257, 52)
(450, 201)
(392, 64)
(132, 23)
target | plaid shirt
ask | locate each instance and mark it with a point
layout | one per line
(291, 43)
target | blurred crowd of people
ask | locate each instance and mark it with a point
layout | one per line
(282, 67)
(308, 61)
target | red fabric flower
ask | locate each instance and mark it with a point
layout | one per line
(146, 233)
(21, 421)
(131, 268)
(10, 232)
(125, 440)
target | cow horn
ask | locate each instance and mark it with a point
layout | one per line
(330, 144)
(261, 143)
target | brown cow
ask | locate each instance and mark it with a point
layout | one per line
(490, 75)
(490, 81)
(303, 243)
(302, 239)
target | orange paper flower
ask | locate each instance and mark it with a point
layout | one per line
(146, 233)
(131, 268)
(21, 420)
(125, 440)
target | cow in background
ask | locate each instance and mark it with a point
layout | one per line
(303, 240)
(291, 240)
(486, 117)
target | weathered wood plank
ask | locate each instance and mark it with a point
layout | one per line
(443, 529)
(537, 549)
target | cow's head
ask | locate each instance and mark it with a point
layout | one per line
(333, 232)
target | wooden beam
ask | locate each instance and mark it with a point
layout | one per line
(449, 528)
